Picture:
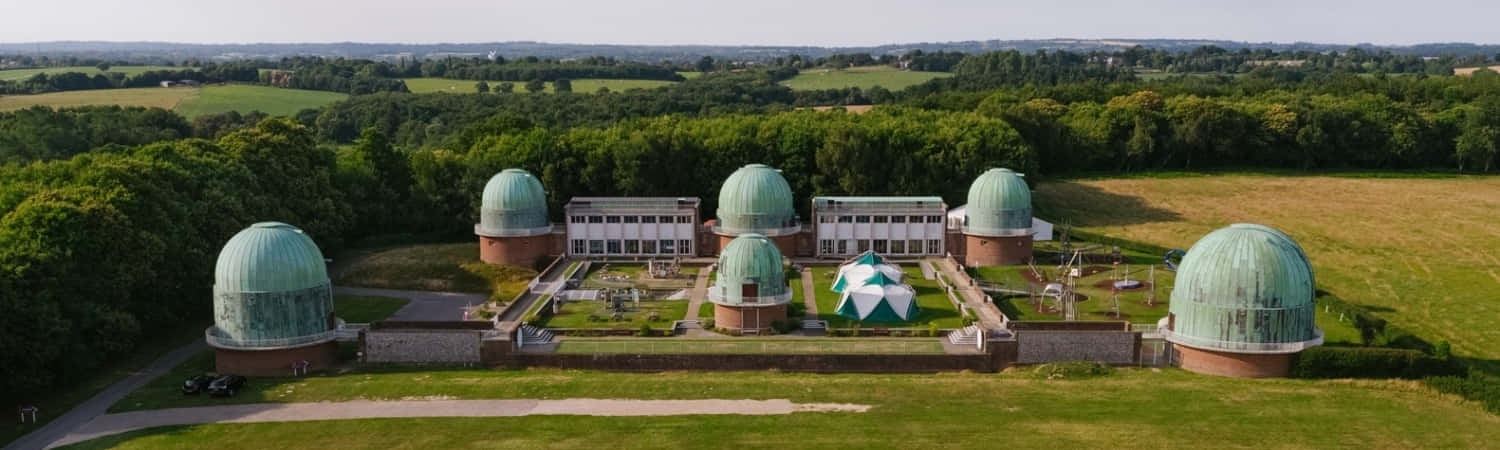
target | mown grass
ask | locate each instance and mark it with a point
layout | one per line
(366, 309)
(245, 98)
(1132, 408)
(744, 345)
(860, 77)
(165, 98)
(129, 71)
(581, 86)
(575, 314)
(933, 304)
(433, 267)
(1422, 252)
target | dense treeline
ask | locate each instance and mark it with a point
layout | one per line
(1356, 60)
(77, 81)
(527, 69)
(354, 77)
(40, 134)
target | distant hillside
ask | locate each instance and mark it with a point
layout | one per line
(656, 53)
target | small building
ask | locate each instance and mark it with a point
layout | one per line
(632, 226)
(997, 220)
(273, 303)
(168, 83)
(756, 199)
(750, 291)
(1243, 304)
(513, 228)
(897, 226)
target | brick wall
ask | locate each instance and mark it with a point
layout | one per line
(791, 363)
(760, 318)
(274, 362)
(517, 251)
(422, 346)
(1111, 347)
(981, 251)
(1233, 364)
(1076, 325)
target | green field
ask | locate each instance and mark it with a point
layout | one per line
(575, 314)
(190, 102)
(1136, 408)
(1421, 252)
(582, 86)
(744, 345)
(22, 74)
(860, 77)
(431, 267)
(934, 304)
(366, 309)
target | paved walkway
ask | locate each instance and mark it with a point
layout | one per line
(423, 305)
(809, 295)
(87, 411)
(989, 315)
(110, 424)
(698, 294)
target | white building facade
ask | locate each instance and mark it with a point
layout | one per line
(632, 226)
(896, 226)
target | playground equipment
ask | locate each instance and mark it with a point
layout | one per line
(1124, 282)
(1172, 265)
(661, 270)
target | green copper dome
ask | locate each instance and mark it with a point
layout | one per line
(999, 205)
(756, 199)
(750, 274)
(1244, 288)
(514, 204)
(271, 289)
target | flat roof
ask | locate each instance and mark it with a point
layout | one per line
(880, 199)
(633, 203)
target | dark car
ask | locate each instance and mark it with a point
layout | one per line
(196, 384)
(226, 385)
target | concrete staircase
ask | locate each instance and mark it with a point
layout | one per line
(969, 335)
(534, 336)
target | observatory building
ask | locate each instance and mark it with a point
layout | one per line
(513, 227)
(898, 226)
(750, 290)
(756, 199)
(1243, 304)
(997, 220)
(632, 226)
(273, 303)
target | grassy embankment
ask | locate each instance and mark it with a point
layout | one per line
(432, 267)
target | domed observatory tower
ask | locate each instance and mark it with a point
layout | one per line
(997, 220)
(273, 303)
(757, 199)
(1243, 304)
(750, 291)
(513, 227)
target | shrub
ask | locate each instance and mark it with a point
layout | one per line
(1361, 362)
(1476, 387)
(645, 331)
(1073, 370)
(932, 329)
(708, 324)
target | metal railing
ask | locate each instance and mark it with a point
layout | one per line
(219, 341)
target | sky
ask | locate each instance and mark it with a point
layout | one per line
(760, 22)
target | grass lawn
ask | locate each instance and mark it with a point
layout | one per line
(431, 267)
(1097, 306)
(1421, 252)
(706, 310)
(617, 275)
(366, 309)
(129, 71)
(1135, 407)
(861, 77)
(581, 86)
(245, 98)
(933, 303)
(165, 98)
(742, 345)
(576, 314)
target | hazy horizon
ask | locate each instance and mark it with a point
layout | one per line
(772, 23)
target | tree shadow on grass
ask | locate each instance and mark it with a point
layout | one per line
(1089, 206)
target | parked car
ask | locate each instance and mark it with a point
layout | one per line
(226, 385)
(195, 384)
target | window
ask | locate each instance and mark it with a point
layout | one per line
(665, 219)
(685, 246)
(576, 219)
(880, 246)
(596, 247)
(914, 246)
(825, 246)
(749, 292)
(612, 219)
(596, 219)
(632, 219)
(825, 219)
(684, 219)
(580, 246)
(632, 246)
(898, 247)
(648, 247)
(882, 219)
(934, 246)
(613, 246)
(898, 219)
(915, 219)
(846, 219)
(843, 247)
(648, 219)
(861, 219)
(864, 246)
(934, 219)
(667, 248)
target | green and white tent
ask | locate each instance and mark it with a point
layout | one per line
(871, 294)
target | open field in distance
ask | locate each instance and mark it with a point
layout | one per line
(190, 102)
(587, 85)
(22, 74)
(861, 77)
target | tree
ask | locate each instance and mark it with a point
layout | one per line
(536, 85)
(506, 87)
(482, 87)
(103, 67)
(562, 85)
(705, 64)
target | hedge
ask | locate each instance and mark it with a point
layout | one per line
(1366, 362)
(1476, 387)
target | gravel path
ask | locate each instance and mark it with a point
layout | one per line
(809, 296)
(110, 424)
(698, 294)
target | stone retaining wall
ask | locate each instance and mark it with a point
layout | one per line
(422, 346)
(1111, 347)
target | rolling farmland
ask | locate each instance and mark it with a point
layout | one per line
(190, 102)
(587, 85)
(22, 74)
(861, 77)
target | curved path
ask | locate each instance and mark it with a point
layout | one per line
(110, 424)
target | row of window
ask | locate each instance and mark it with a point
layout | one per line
(630, 219)
(883, 246)
(632, 247)
(879, 219)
